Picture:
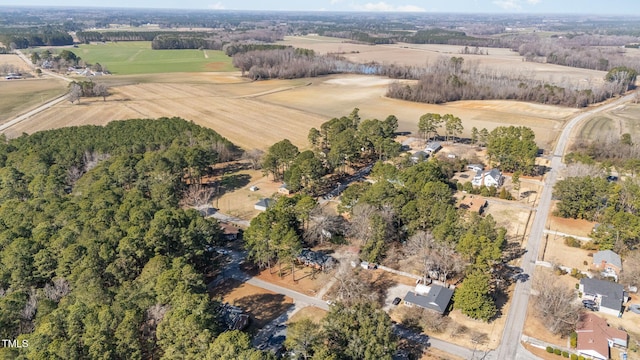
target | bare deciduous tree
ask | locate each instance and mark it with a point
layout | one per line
(255, 158)
(198, 195)
(434, 256)
(324, 226)
(352, 287)
(75, 92)
(57, 290)
(28, 313)
(555, 305)
(631, 269)
(101, 90)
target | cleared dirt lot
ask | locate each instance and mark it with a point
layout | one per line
(261, 304)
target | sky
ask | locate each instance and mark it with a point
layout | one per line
(622, 7)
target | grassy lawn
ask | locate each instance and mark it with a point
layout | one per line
(137, 57)
(18, 96)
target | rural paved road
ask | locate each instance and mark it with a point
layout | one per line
(510, 346)
(40, 108)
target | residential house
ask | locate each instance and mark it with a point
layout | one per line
(263, 204)
(596, 337)
(284, 190)
(489, 178)
(419, 156)
(432, 147)
(608, 295)
(230, 232)
(474, 203)
(608, 262)
(315, 259)
(437, 299)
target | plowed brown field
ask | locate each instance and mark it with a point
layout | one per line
(258, 114)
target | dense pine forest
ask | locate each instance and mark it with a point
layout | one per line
(97, 259)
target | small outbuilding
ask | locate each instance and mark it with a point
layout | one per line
(433, 147)
(284, 190)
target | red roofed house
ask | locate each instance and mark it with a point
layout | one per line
(595, 337)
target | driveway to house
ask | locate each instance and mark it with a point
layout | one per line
(510, 346)
(233, 270)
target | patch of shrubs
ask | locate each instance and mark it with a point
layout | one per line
(572, 242)
(564, 354)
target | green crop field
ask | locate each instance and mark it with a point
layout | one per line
(137, 57)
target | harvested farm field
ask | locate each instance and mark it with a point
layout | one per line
(258, 114)
(501, 60)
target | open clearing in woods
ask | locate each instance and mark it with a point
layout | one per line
(258, 114)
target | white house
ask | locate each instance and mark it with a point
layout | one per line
(263, 204)
(488, 178)
(432, 147)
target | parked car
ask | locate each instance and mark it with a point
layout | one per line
(589, 303)
(396, 301)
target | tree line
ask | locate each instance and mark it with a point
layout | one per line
(449, 80)
(22, 38)
(98, 259)
(446, 80)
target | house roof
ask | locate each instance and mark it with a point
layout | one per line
(432, 146)
(229, 229)
(608, 257)
(494, 173)
(419, 154)
(266, 202)
(594, 333)
(437, 299)
(612, 293)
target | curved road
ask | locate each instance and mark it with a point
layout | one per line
(510, 347)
